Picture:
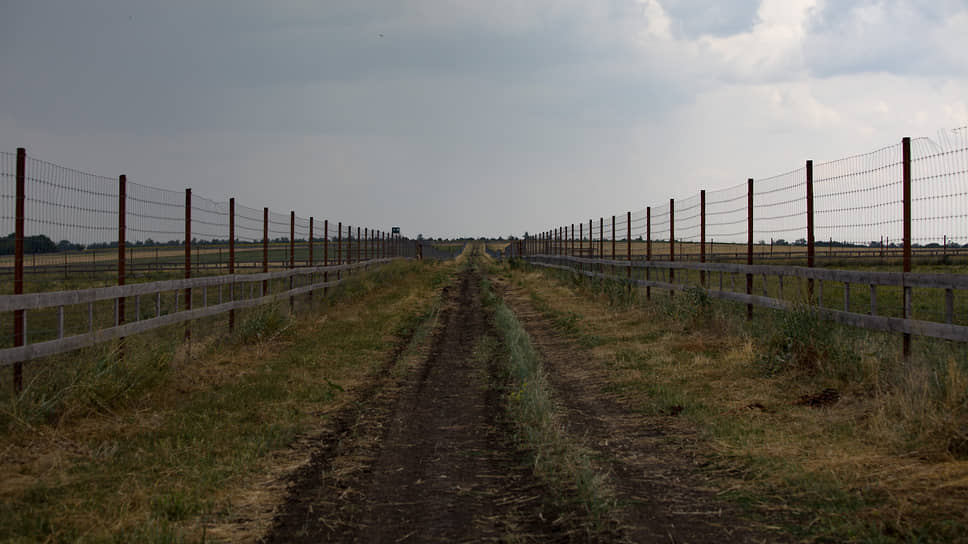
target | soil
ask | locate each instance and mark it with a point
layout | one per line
(425, 458)
(425, 455)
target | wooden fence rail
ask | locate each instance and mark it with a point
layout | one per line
(949, 283)
(22, 303)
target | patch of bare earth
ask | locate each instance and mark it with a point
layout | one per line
(426, 457)
(651, 460)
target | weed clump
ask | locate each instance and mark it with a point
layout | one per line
(98, 384)
(799, 340)
(266, 324)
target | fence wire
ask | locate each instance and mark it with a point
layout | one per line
(858, 200)
(858, 207)
(780, 209)
(8, 197)
(939, 188)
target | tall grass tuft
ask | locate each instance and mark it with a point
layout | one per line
(100, 382)
(555, 458)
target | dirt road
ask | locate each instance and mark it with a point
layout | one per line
(425, 455)
(429, 459)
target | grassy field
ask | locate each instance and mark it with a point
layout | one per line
(886, 462)
(174, 441)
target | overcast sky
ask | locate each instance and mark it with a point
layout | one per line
(469, 117)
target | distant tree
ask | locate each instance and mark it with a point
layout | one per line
(800, 242)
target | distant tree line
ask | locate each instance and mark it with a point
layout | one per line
(42, 244)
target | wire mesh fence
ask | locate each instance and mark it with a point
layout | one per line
(72, 228)
(857, 211)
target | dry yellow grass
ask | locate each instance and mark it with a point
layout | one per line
(877, 465)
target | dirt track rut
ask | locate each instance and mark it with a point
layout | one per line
(429, 459)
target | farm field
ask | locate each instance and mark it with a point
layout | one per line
(483, 400)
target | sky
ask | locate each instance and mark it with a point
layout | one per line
(468, 118)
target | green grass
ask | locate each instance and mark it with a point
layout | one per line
(555, 457)
(154, 448)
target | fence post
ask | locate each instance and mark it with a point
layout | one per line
(648, 250)
(628, 247)
(232, 259)
(366, 243)
(188, 258)
(358, 248)
(572, 239)
(749, 243)
(312, 275)
(122, 228)
(613, 239)
(325, 253)
(672, 243)
(811, 248)
(601, 239)
(702, 235)
(906, 186)
(292, 254)
(18, 266)
(265, 249)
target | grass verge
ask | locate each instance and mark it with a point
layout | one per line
(151, 449)
(883, 462)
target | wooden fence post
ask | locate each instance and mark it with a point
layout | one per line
(906, 187)
(339, 250)
(325, 253)
(18, 266)
(749, 243)
(811, 247)
(232, 259)
(572, 239)
(188, 258)
(702, 235)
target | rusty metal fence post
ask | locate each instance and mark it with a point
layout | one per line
(122, 228)
(672, 243)
(702, 235)
(811, 248)
(265, 249)
(628, 246)
(648, 250)
(292, 255)
(906, 188)
(232, 260)
(188, 258)
(749, 243)
(18, 266)
(312, 275)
